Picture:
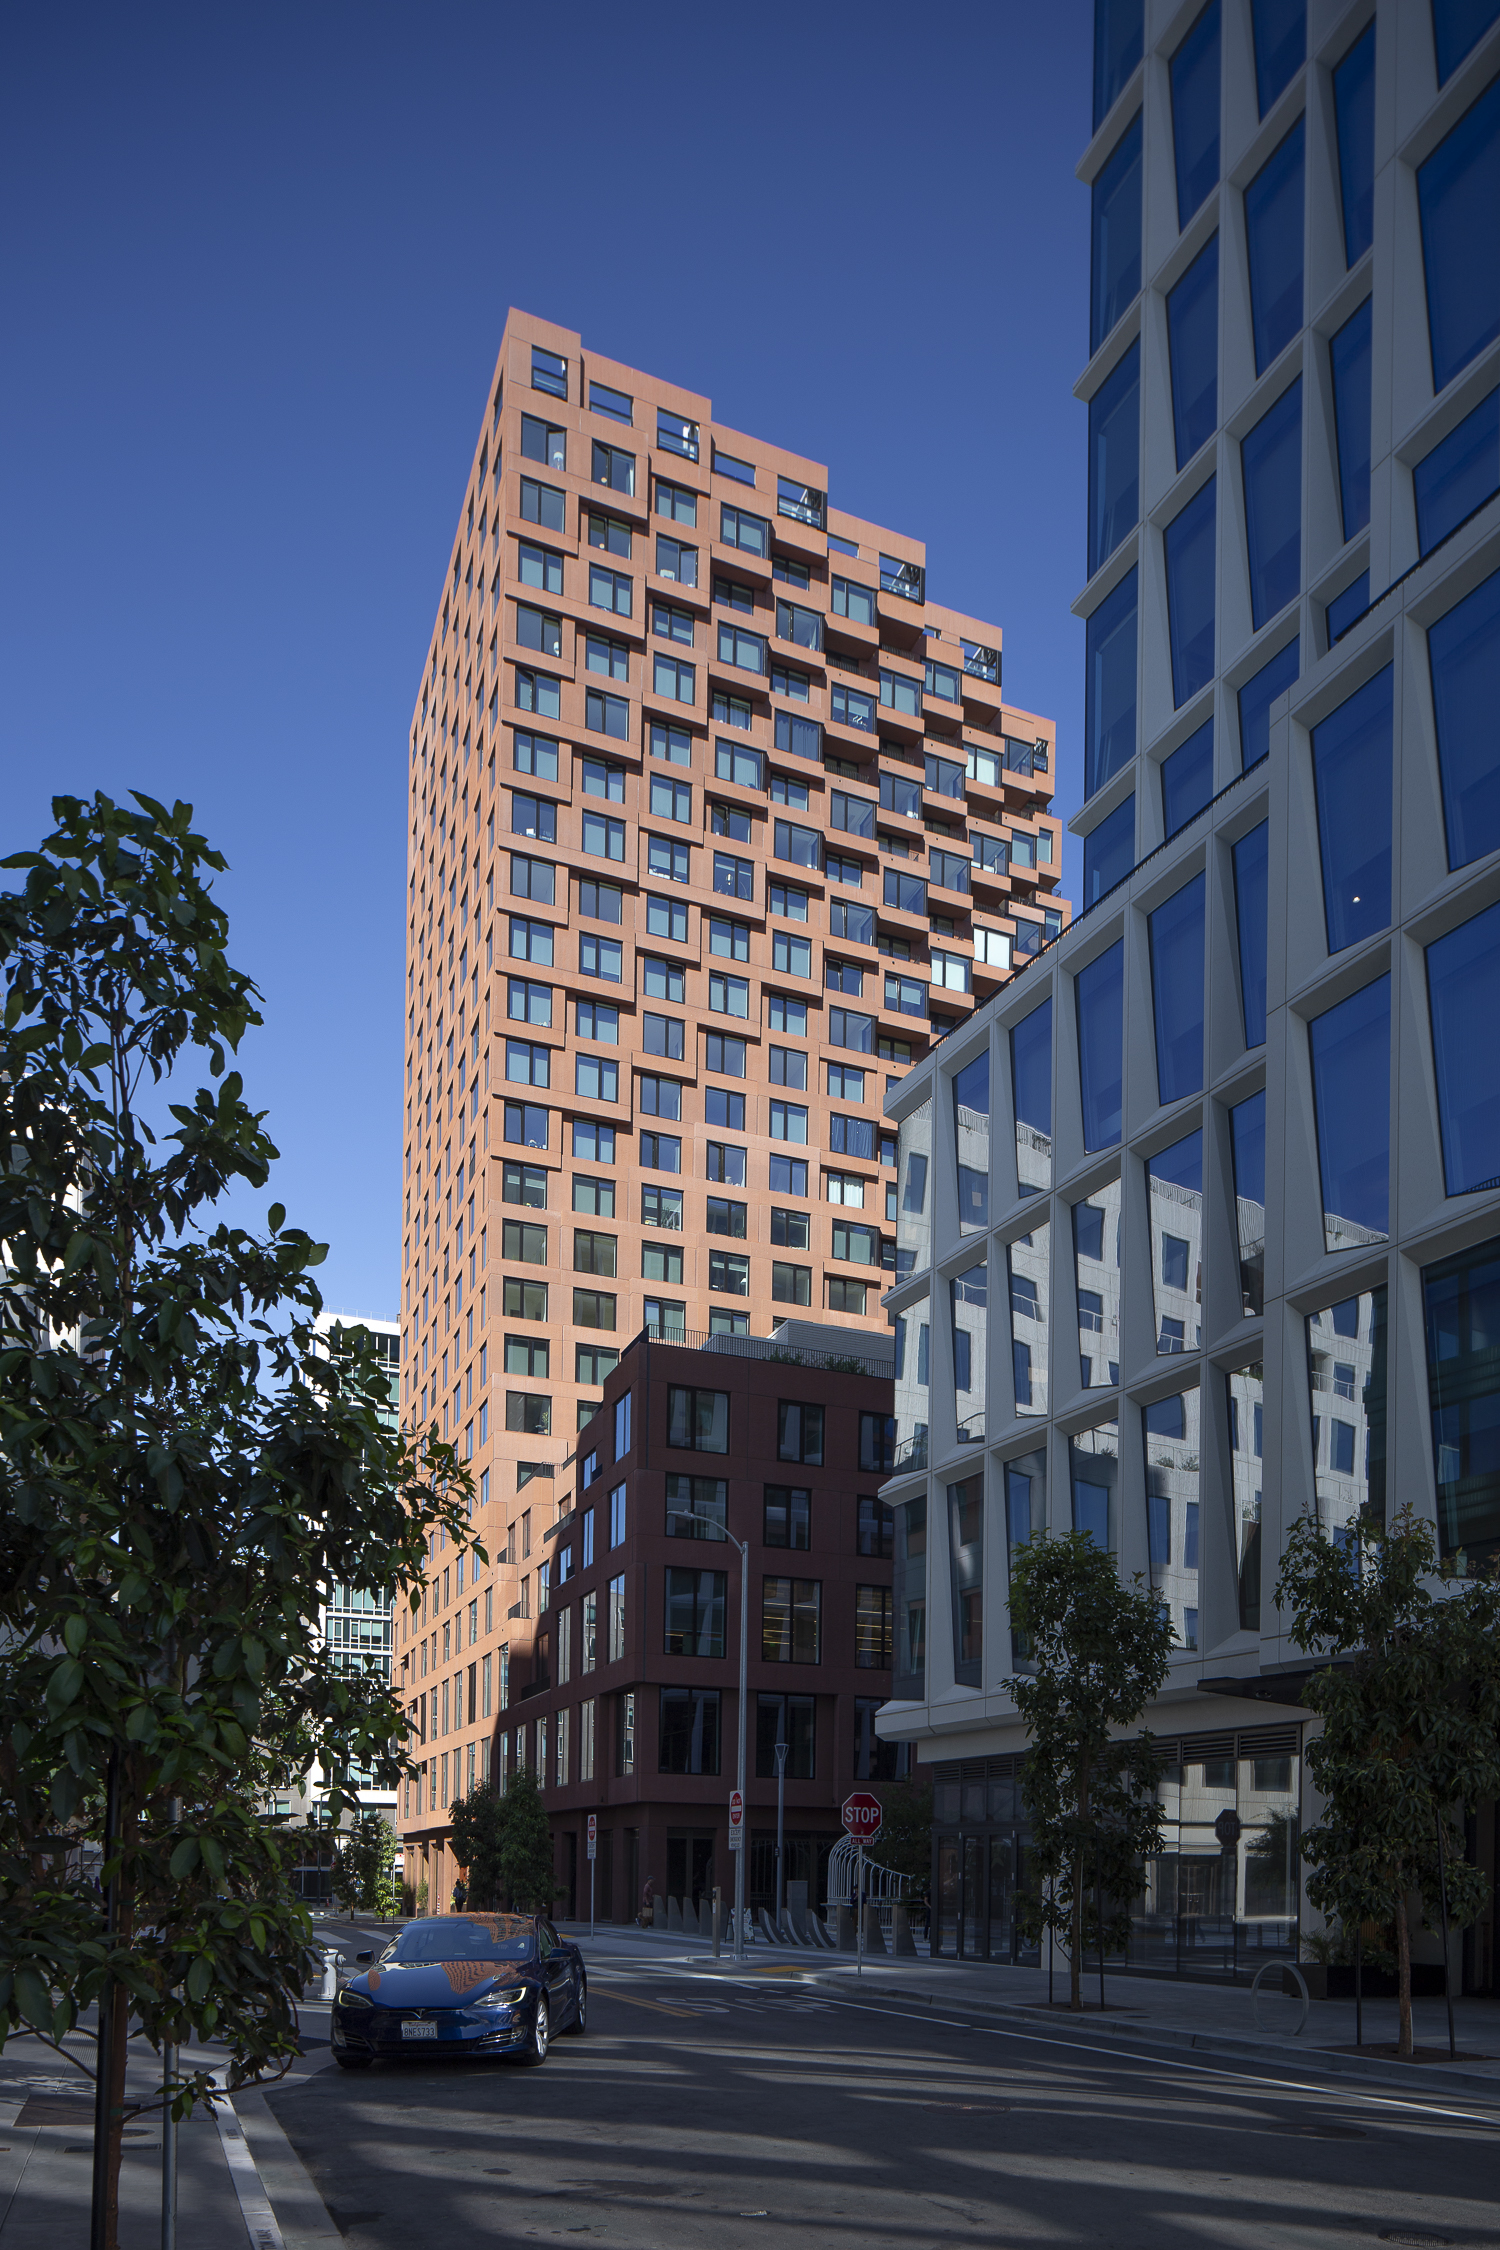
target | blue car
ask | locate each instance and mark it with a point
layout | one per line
(462, 1984)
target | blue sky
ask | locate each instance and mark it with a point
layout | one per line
(257, 262)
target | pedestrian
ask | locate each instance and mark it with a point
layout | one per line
(460, 1895)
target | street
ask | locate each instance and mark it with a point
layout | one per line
(723, 2109)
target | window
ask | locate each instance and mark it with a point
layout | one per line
(594, 1196)
(788, 1121)
(526, 1123)
(875, 1531)
(725, 1217)
(788, 1720)
(536, 691)
(1273, 240)
(535, 629)
(849, 920)
(898, 693)
(593, 1308)
(606, 714)
(1351, 1063)
(1256, 698)
(662, 1207)
(856, 1245)
(525, 1183)
(1117, 50)
(803, 627)
(1187, 782)
(1193, 354)
(525, 1355)
(1194, 75)
(1271, 463)
(857, 603)
(1458, 475)
(747, 651)
(1099, 994)
(1354, 110)
(616, 1634)
(720, 1107)
(595, 1079)
(1463, 650)
(855, 816)
(600, 957)
(729, 1273)
(1114, 458)
(698, 1420)
(1349, 357)
(689, 1740)
(1188, 543)
(1109, 707)
(602, 837)
(846, 1083)
(523, 1242)
(872, 1628)
(787, 1519)
(662, 1035)
(941, 680)
(1463, 980)
(533, 816)
(725, 1164)
(788, 1067)
(790, 1620)
(738, 528)
(676, 503)
(528, 1003)
(790, 1285)
(661, 1152)
(1177, 958)
(728, 996)
(543, 504)
(660, 1263)
(612, 467)
(1115, 276)
(548, 372)
(1460, 1296)
(1251, 872)
(795, 843)
(663, 1318)
(690, 1499)
(658, 1097)
(732, 763)
(544, 442)
(1458, 189)
(609, 589)
(791, 956)
(906, 996)
(799, 1432)
(724, 1053)
(526, 1064)
(1352, 779)
(613, 536)
(673, 679)
(595, 1143)
(787, 1176)
(528, 1412)
(732, 593)
(734, 878)
(524, 1300)
(531, 878)
(594, 1253)
(850, 707)
(542, 568)
(666, 918)
(598, 1019)
(662, 979)
(790, 1229)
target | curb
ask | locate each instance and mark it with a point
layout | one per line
(300, 2213)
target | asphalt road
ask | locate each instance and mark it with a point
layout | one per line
(704, 2112)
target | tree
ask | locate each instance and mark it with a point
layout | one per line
(365, 1865)
(477, 1825)
(1097, 1650)
(1411, 1725)
(905, 1840)
(526, 1877)
(183, 1477)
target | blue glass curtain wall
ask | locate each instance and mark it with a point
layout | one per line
(1096, 1280)
(1346, 1371)
(1188, 544)
(1109, 712)
(1458, 192)
(1457, 28)
(1347, 608)
(1463, 652)
(1094, 1472)
(1099, 996)
(1026, 1276)
(1273, 240)
(1460, 473)
(1174, 1194)
(1352, 779)
(1109, 851)
(1116, 249)
(1251, 888)
(971, 1132)
(1351, 1072)
(1271, 463)
(1114, 458)
(1193, 351)
(1354, 110)
(1247, 1133)
(1187, 779)
(1194, 75)
(1031, 1086)
(1280, 32)
(1169, 1431)
(966, 1568)
(1175, 931)
(1255, 700)
(1462, 1303)
(1119, 30)
(1349, 358)
(1463, 994)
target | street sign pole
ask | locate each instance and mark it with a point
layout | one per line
(739, 1857)
(781, 1751)
(859, 1908)
(593, 1836)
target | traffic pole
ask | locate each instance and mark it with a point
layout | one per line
(859, 1908)
(739, 1857)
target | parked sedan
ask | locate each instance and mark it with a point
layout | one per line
(470, 1984)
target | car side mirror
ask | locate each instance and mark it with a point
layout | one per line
(365, 1956)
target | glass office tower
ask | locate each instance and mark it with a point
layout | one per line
(1243, 1186)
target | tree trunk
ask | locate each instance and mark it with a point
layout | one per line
(1403, 1977)
(119, 2058)
(1075, 1951)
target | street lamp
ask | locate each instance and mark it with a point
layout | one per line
(781, 1751)
(691, 1515)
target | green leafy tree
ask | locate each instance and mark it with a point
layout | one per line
(183, 1476)
(905, 1840)
(526, 1877)
(365, 1865)
(477, 1823)
(1098, 1650)
(1411, 1725)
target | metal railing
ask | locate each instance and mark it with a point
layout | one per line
(762, 1348)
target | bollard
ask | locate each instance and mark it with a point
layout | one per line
(717, 1925)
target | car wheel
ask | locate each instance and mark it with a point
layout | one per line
(353, 2062)
(581, 2005)
(541, 2034)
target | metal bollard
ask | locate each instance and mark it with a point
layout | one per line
(717, 1911)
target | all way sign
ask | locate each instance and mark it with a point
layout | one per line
(862, 1816)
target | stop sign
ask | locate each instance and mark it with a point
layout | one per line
(862, 1816)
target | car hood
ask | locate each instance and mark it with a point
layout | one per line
(441, 1984)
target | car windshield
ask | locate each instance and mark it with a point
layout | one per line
(467, 1937)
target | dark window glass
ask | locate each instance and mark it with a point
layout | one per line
(1099, 994)
(1460, 473)
(1109, 851)
(1463, 1386)
(1458, 191)
(1251, 875)
(1116, 248)
(1109, 715)
(689, 1730)
(1463, 989)
(1280, 29)
(1354, 108)
(1176, 933)
(788, 1516)
(1189, 545)
(1247, 1136)
(1347, 608)
(694, 1612)
(1187, 781)
(1114, 458)
(1193, 351)
(1463, 650)
(1271, 461)
(1351, 1069)
(1118, 31)
(1255, 700)
(1195, 112)
(799, 1432)
(1352, 777)
(1457, 28)
(1349, 357)
(1031, 1068)
(1273, 240)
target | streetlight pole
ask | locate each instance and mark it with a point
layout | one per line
(691, 1515)
(781, 1751)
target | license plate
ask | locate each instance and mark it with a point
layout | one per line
(410, 2030)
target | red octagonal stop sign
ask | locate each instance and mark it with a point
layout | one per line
(862, 1816)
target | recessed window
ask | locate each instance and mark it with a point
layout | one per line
(1280, 32)
(1187, 781)
(1271, 463)
(1194, 78)
(1109, 851)
(1251, 879)
(1349, 359)
(1109, 709)
(1463, 989)
(1115, 279)
(1273, 240)
(1114, 458)
(1458, 190)
(1463, 650)
(1459, 475)
(1193, 353)
(1351, 1070)
(1118, 28)
(1354, 109)
(1177, 961)
(1352, 777)
(1099, 993)
(1188, 543)
(548, 372)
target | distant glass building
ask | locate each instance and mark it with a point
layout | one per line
(1224, 1161)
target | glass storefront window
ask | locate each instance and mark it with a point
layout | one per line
(1170, 1429)
(1347, 1376)
(1031, 1083)
(1463, 989)
(971, 1126)
(1247, 1415)
(966, 1561)
(1463, 653)
(1099, 995)
(909, 1683)
(913, 1342)
(1030, 1298)
(970, 1307)
(1094, 1472)
(1174, 1179)
(1177, 957)
(1462, 1304)
(1351, 1070)
(913, 1210)
(1096, 1272)
(1247, 1133)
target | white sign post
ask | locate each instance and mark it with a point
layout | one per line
(593, 1855)
(736, 1820)
(862, 1817)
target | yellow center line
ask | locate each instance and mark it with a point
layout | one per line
(634, 2000)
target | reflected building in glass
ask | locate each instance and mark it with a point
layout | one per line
(1242, 1117)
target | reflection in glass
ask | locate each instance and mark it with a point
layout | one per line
(1352, 776)
(1176, 935)
(1463, 651)
(1193, 351)
(1096, 1267)
(1251, 886)
(1346, 1373)
(1099, 996)
(1188, 545)
(1273, 241)
(913, 1351)
(1255, 700)
(971, 1125)
(1025, 1517)
(1031, 1082)
(1027, 1277)
(1175, 1188)
(1271, 464)
(1114, 458)
(910, 1601)
(1462, 1304)
(1187, 779)
(1247, 1416)
(1247, 1131)
(1171, 1436)
(1463, 990)
(970, 1299)
(1094, 1470)
(966, 1556)
(1351, 1071)
(913, 1213)
(1109, 851)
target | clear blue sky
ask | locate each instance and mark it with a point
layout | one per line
(256, 265)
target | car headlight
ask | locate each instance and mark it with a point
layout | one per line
(499, 2003)
(354, 2000)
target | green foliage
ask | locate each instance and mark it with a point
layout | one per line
(526, 1879)
(183, 1474)
(365, 1866)
(1098, 1650)
(477, 1823)
(905, 1840)
(1411, 1724)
